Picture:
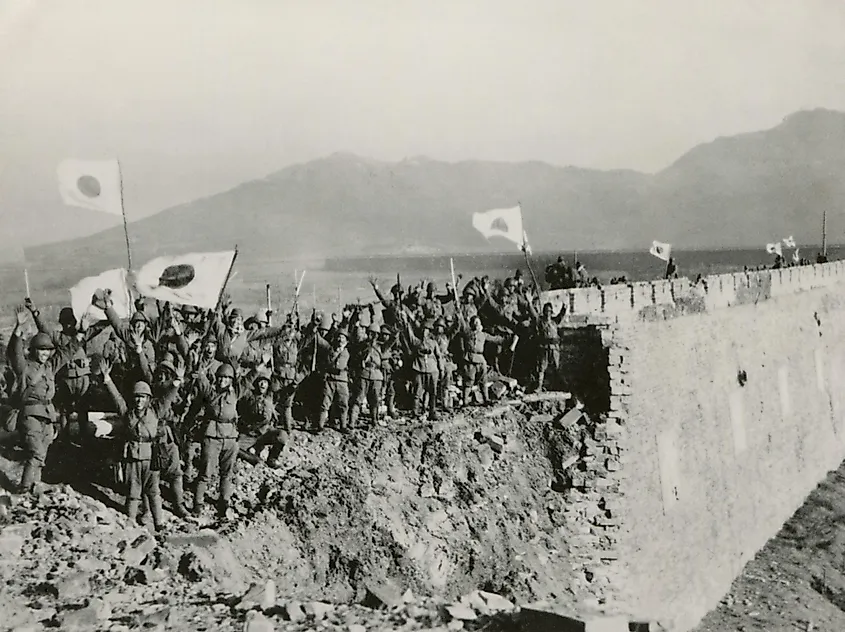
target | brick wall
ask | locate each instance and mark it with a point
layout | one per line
(725, 420)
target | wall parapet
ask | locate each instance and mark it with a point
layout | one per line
(680, 296)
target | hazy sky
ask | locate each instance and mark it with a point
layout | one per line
(195, 97)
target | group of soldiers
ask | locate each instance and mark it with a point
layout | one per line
(178, 377)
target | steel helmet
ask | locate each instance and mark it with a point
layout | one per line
(41, 341)
(374, 328)
(138, 317)
(225, 370)
(142, 388)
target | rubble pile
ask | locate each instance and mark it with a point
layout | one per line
(413, 527)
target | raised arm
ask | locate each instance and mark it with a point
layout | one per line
(112, 389)
(16, 352)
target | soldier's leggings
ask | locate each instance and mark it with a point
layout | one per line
(549, 357)
(369, 391)
(475, 374)
(37, 435)
(425, 386)
(335, 393)
(222, 454)
(142, 481)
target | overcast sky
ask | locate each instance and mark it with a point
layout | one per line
(195, 97)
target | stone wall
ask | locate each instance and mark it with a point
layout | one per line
(725, 411)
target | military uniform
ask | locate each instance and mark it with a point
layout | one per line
(139, 430)
(218, 433)
(370, 381)
(474, 362)
(36, 387)
(333, 363)
(258, 419)
(285, 356)
(424, 367)
(445, 367)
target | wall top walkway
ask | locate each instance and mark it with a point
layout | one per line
(655, 300)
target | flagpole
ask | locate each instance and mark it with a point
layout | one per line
(525, 250)
(228, 276)
(26, 280)
(824, 231)
(123, 212)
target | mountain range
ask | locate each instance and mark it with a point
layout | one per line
(738, 191)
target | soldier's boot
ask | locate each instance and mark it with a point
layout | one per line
(485, 396)
(447, 401)
(31, 475)
(157, 513)
(199, 499)
(179, 498)
(275, 453)
(322, 420)
(132, 507)
(353, 416)
(541, 379)
(467, 393)
(222, 509)
(287, 418)
(391, 403)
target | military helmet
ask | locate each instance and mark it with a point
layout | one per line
(374, 328)
(41, 341)
(261, 374)
(142, 388)
(430, 287)
(225, 370)
(138, 317)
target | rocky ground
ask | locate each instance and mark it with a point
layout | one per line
(413, 527)
(444, 526)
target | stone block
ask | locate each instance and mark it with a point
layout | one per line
(544, 621)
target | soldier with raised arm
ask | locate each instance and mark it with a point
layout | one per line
(138, 428)
(215, 408)
(34, 391)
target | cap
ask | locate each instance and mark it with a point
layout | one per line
(236, 313)
(252, 320)
(142, 388)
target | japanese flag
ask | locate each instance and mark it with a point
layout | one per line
(502, 222)
(196, 278)
(82, 293)
(660, 250)
(92, 184)
(774, 249)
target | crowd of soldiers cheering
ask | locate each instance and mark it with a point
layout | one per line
(178, 378)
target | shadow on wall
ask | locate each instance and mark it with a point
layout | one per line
(584, 367)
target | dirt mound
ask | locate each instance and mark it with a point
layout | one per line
(441, 509)
(412, 527)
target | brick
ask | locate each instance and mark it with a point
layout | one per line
(570, 418)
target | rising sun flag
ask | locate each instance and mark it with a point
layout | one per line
(91, 184)
(112, 280)
(502, 222)
(196, 278)
(660, 250)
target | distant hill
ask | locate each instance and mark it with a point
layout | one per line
(739, 191)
